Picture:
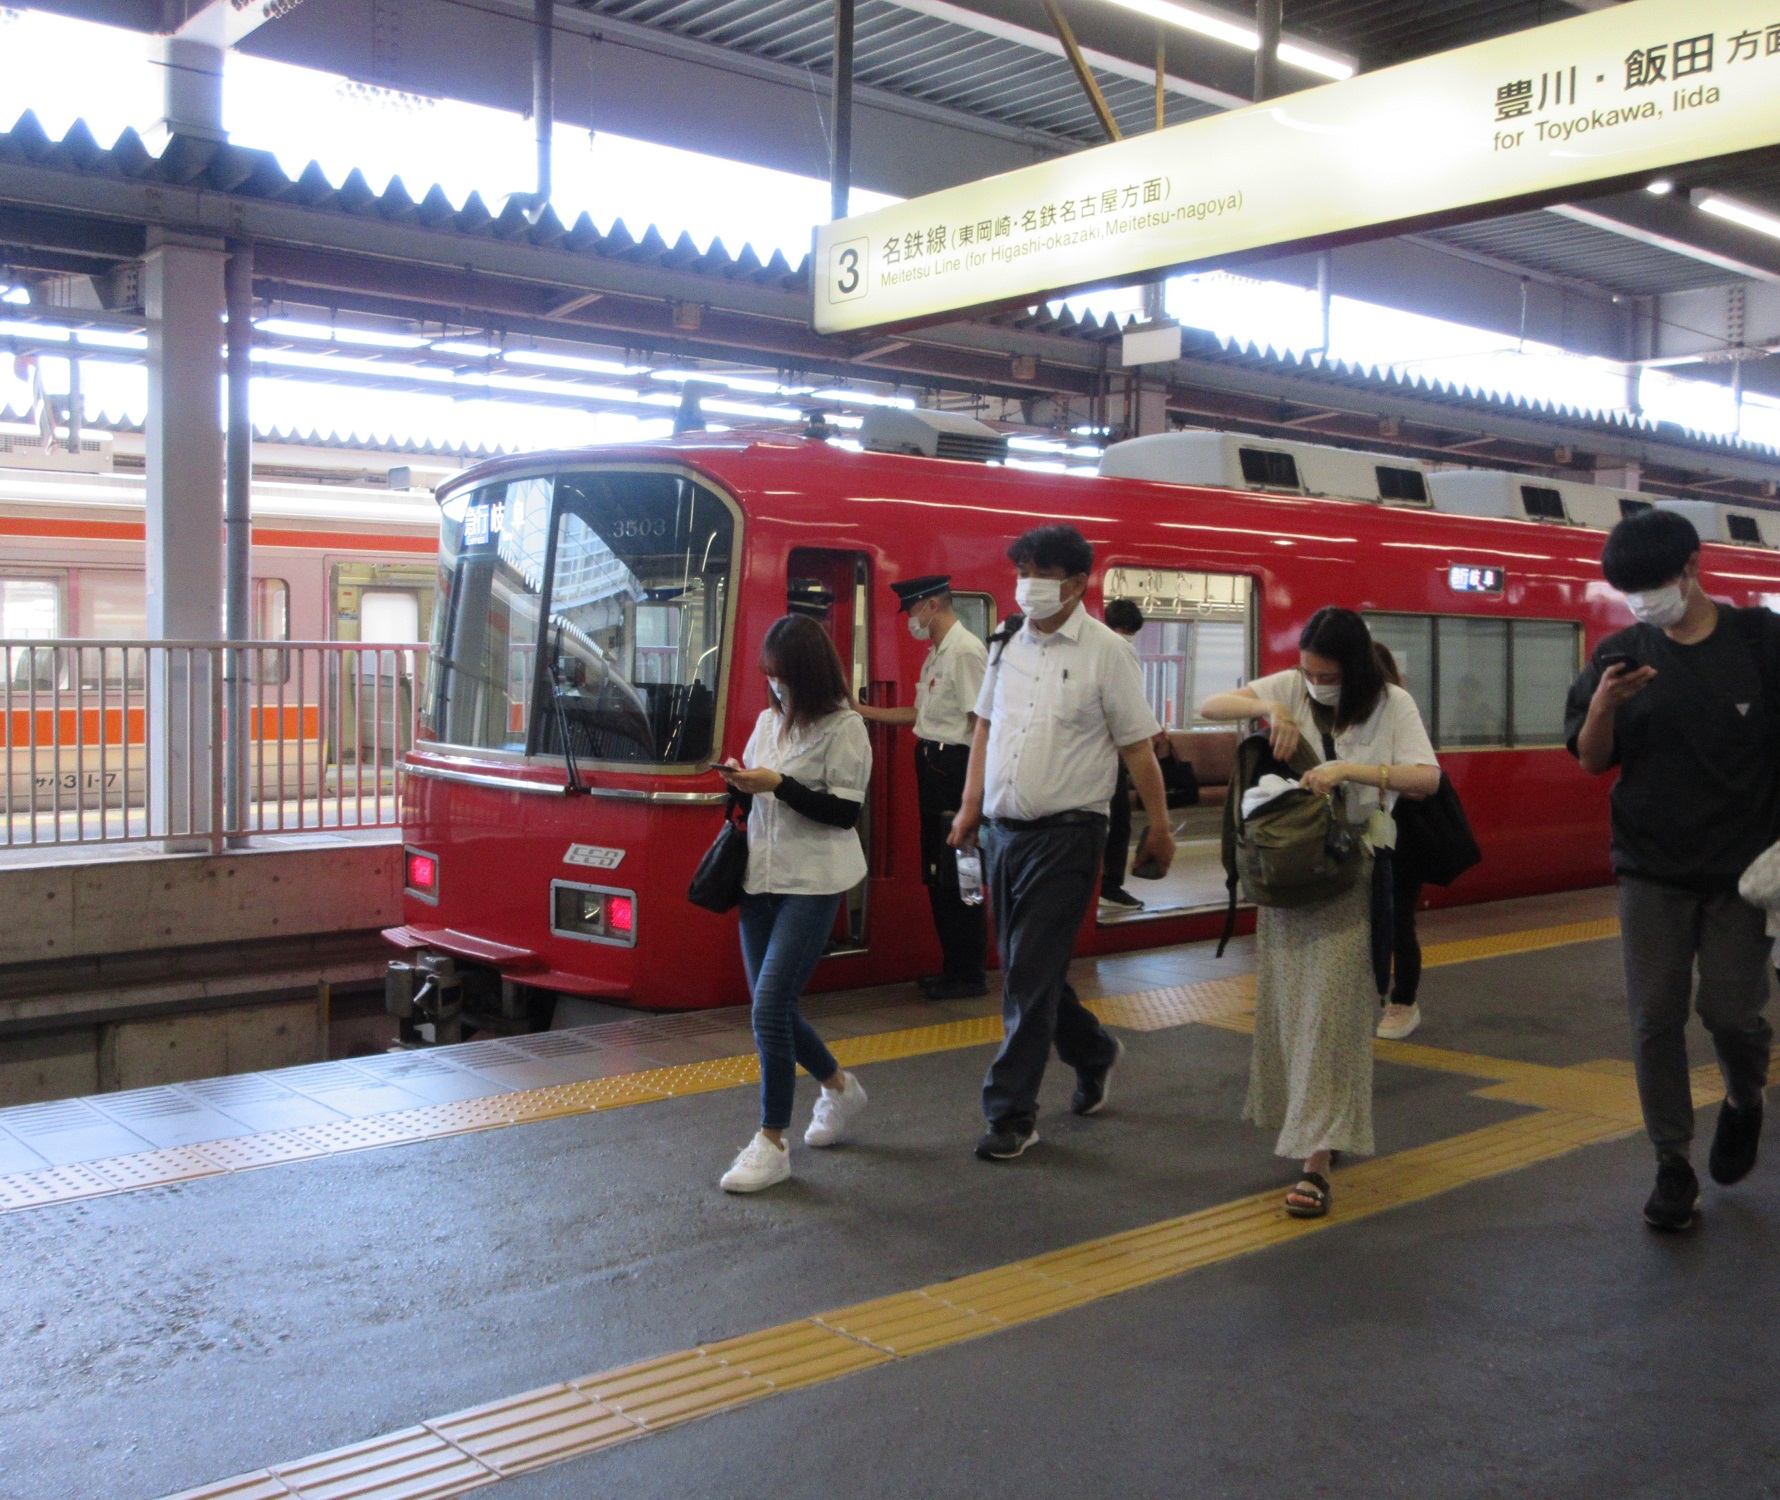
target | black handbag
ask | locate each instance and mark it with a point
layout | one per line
(717, 882)
(1435, 844)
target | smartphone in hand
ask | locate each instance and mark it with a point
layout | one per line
(1611, 659)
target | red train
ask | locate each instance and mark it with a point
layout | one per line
(610, 603)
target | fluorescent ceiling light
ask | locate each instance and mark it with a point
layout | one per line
(289, 328)
(733, 382)
(865, 398)
(1662, 187)
(1721, 207)
(48, 332)
(461, 346)
(1222, 27)
(107, 338)
(569, 362)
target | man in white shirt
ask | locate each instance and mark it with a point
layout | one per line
(1061, 706)
(943, 719)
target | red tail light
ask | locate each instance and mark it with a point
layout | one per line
(423, 874)
(620, 913)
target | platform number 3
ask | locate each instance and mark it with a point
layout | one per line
(848, 268)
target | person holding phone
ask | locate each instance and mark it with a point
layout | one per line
(1061, 706)
(805, 770)
(1684, 706)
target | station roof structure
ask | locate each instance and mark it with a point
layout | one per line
(947, 91)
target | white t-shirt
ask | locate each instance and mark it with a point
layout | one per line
(1393, 736)
(1059, 705)
(789, 854)
(946, 694)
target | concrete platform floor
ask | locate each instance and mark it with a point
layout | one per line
(1480, 1333)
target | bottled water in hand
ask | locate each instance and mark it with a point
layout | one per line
(970, 876)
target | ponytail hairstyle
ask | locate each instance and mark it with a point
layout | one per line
(1341, 636)
(799, 653)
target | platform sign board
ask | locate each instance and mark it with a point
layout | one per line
(1635, 88)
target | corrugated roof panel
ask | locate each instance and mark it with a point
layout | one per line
(1563, 247)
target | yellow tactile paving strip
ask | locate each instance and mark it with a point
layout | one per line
(1576, 1107)
(1216, 1002)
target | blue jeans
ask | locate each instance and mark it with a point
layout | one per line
(782, 940)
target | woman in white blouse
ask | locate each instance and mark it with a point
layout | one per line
(806, 768)
(1310, 1077)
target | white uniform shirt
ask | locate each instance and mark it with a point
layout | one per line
(1059, 705)
(1393, 736)
(789, 854)
(946, 692)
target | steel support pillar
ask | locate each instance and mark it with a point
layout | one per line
(238, 531)
(543, 89)
(1267, 25)
(191, 90)
(183, 299)
(840, 156)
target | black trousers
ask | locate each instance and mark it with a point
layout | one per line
(939, 787)
(1040, 883)
(1118, 834)
(1406, 947)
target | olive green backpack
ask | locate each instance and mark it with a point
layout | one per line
(1295, 851)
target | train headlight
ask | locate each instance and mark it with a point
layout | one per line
(421, 875)
(593, 913)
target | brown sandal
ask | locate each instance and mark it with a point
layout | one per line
(1312, 1195)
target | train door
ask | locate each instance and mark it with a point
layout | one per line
(834, 588)
(376, 603)
(1199, 637)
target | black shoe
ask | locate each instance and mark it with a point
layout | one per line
(1735, 1141)
(942, 988)
(1120, 899)
(1091, 1084)
(1004, 1143)
(1671, 1205)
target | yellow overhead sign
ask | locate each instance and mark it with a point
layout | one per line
(1630, 89)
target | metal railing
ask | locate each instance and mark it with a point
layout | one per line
(203, 743)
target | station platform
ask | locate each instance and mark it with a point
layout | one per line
(508, 1264)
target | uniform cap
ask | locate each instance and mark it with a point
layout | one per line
(913, 590)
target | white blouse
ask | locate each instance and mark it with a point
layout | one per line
(789, 854)
(1393, 736)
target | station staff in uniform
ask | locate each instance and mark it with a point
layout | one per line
(943, 718)
(1061, 705)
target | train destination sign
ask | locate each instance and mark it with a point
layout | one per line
(1630, 89)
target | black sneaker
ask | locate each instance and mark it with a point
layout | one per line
(939, 987)
(1677, 1191)
(1004, 1143)
(1091, 1084)
(1120, 899)
(1735, 1141)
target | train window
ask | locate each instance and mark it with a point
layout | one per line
(976, 613)
(1273, 470)
(1546, 656)
(110, 604)
(1632, 507)
(491, 573)
(1407, 486)
(639, 599)
(1743, 528)
(1195, 639)
(1410, 640)
(1471, 681)
(1543, 503)
(30, 609)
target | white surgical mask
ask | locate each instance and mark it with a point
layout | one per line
(1326, 693)
(919, 631)
(780, 692)
(1659, 607)
(1038, 598)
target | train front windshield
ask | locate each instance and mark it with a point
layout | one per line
(586, 607)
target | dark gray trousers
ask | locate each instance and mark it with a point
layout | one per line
(1665, 933)
(1040, 884)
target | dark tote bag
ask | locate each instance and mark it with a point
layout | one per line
(717, 882)
(1434, 839)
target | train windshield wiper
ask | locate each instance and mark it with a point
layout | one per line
(562, 717)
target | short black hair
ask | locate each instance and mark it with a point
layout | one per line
(1341, 636)
(1124, 616)
(1053, 547)
(1648, 549)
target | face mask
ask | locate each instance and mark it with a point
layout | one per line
(779, 691)
(1659, 607)
(919, 631)
(1326, 693)
(1039, 598)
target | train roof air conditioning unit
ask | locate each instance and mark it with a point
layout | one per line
(931, 434)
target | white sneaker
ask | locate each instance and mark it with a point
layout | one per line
(833, 1111)
(759, 1164)
(1399, 1021)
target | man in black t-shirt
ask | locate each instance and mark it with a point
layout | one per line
(1684, 704)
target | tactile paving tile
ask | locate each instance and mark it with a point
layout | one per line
(414, 1464)
(16, 1156)
(1530, 940)
(52, 1185)
(908, 1322)
(70, 1131)
(700, 1077)
(259, 1102)
(265, 1150)
(796, 1354)
(152, 1168)
(353, 1094)
(261, 1486)
(355, 1135)
(541, 1427)
(1010, 1294)
(166, 1117)
(917, 1042)
(1177, 1005)
(675, 1388)
(428, 1076)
